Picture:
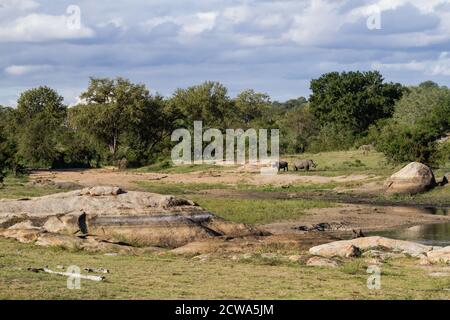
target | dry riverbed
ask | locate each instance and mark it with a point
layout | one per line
(219, 190)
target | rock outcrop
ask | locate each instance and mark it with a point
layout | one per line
(137, 218)
(382, 249)
(321, 262)
(341, 248)
(439, 256)
(414, 178)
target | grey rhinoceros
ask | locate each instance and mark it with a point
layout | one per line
(304, 164)
(282, 165)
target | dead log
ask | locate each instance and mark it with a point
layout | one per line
(68, 274)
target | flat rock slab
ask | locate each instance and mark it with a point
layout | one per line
(341, 248)
(439, 256)
(322, 262)
(138, 218)
(99, 201)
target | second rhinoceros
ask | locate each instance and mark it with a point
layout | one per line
(282, 165)
(304, 164)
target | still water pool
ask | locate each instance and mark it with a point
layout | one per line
(432, 234)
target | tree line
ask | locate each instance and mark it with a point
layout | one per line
(118, 119)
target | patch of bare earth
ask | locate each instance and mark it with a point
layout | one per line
(348, 217)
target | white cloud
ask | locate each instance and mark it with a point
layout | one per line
(438, 67)
(237, 14)
(19, 4)
(41, 27)
(254, 40)
(20, 70)
(275, 44)
(201, 22)
(115, 22)
(318, 23)
(191, 25)
(157, 21)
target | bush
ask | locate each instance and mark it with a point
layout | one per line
(421, 117)
(402, 143)
(442, 156)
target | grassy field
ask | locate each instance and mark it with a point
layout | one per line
(341, 163)
(167, 276)
(16, 187)
(259, 211)
(170, 277)
(179, 188)
(166, 166)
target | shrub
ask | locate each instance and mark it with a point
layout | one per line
(402, 143)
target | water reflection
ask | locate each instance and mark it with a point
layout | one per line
(433, 234)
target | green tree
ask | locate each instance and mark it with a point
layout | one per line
(428, 102)
(39, 121)
(298, 128)
(8, 147)
(353, 100)
(421, 117)
(290, 104)
(252, 106)
(120, 117)
(3, 156)
(208, 102)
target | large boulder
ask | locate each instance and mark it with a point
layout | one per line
(70, 223)
(136, 218)
(414, 178)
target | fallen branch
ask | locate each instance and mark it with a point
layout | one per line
(157, 179)
(68, 274)
(94, 270)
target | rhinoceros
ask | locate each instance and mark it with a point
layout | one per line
(304, 164)
(282, 165)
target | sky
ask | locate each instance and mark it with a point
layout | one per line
(271, 46)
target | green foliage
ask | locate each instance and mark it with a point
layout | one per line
(402, 143)
(353, 100)
(121, 119)
(8, 147)
(421, 117)
(252, 106)
(39, 122)
(442, 155)
(425, 102)
(299, 127)
(3, 158)
(332, 137)
(289, 104)
(208, 102)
